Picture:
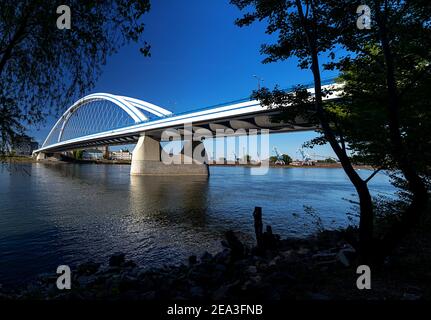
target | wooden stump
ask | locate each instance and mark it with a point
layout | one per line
(258, 226)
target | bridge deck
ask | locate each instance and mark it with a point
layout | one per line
(242, 115)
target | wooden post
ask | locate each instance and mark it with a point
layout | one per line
(258, 225)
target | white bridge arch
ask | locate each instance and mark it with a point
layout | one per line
(134, 108)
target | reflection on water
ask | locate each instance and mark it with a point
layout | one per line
(149, 193)
(65, 214)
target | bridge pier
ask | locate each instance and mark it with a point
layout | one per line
(40, 156)
(146, 160)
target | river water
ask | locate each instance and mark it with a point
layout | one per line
(52, 214)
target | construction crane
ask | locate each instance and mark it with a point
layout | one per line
(306, 158)
(278, 156)
(236, 159)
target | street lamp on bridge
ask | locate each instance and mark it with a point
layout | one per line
(259, 79)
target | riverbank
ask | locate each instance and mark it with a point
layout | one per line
(17, 159)
(128, 162)
(321, 267)
(315, 166)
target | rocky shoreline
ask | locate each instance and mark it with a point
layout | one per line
(235, 272)
(317, 268)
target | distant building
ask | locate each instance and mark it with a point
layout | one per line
(121, 155)
(92, 154)
(24, 146)
(296, 163)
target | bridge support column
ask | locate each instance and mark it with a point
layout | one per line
(40, 156)
(146, 160)
(106, 152)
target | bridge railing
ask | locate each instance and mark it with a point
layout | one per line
(224, 104)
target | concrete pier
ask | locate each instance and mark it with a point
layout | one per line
(146, 160)
(40, 156)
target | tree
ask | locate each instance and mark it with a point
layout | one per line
(386, 73)
(77, 154)
(329, 160)
(43, 68)
(286, 158)
(273, 159)
(306, 30)
(386, 87)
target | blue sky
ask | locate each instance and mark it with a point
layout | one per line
(199, 58)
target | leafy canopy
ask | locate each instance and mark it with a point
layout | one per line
(43, 68)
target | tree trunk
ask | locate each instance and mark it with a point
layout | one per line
(398, 149)
(366, 224)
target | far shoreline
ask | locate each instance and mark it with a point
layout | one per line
(29, 159)
(317, 166)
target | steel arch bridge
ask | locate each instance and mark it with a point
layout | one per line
(102, 119)
(101, 112)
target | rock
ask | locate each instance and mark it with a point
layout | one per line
(270, 240)
(220, 268)
(223, 291)
(117, 260)
(88, 268)
(206, 257)
(411, 296)
(113, 282)
(128, 283)
(47, 279)
(150, 295)
(274, 261)
(346, 256)
(196, 291)
(193, 260)
(286, 254)
(323, 255)
(318, 296)
(326, 263)
(85, 280)
(114, 270)
(262, 266)
(252, 269)
(303, 251)
(130, 264)
(52, 290)
(233, 243)
(256, 279)
(223, 257)
(200, 273)
(280, 277)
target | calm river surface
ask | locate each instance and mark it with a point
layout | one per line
(65, 214)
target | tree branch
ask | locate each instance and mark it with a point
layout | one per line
(414, 81)
(17, 37)
(373, 174)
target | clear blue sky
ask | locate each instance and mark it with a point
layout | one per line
(199, 58)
